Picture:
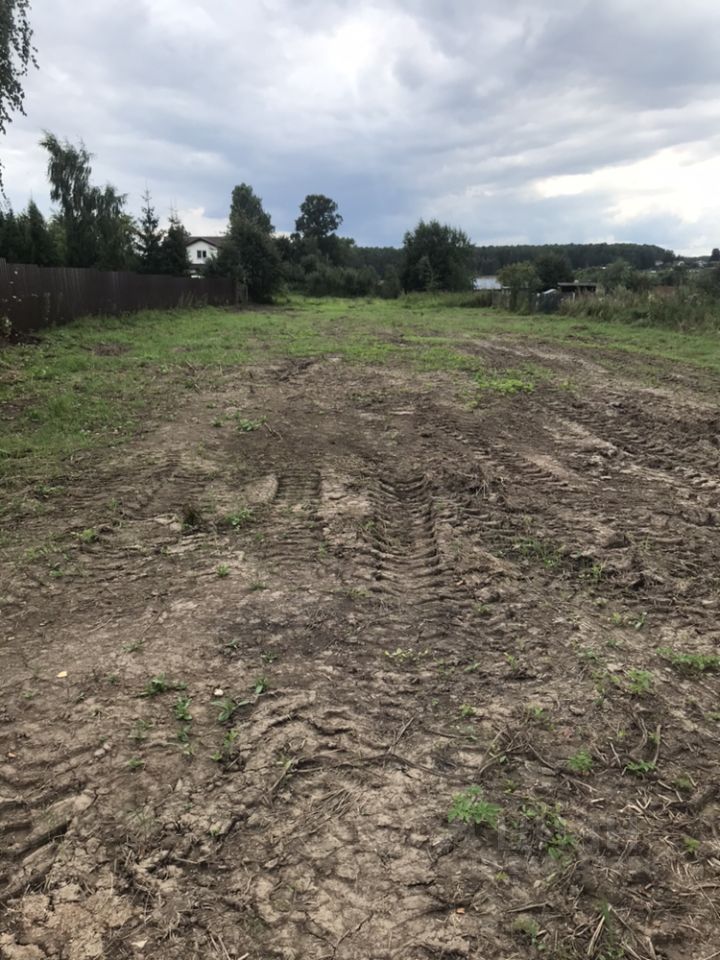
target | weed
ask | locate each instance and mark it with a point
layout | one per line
(581, 762)
(134, 646)
(256, 585)
(546, 553)
(466, 710)
(89, 536)
(224, 752)
(269, 656)
(160, 684)
(526, 927)
(240, 518)
(692, 662)
(223, 570)
(470, 807)
(217, 422)
(248, 426)
(639, 682)
(261, 685)
(181, 709)
(536, 713)
(400, 655)
(113, 679)
(691, 846)
(136, 763)
(684, 784)
(227, 707)
(184, 733)
(555, 838)
(641, 767)
(140, 730)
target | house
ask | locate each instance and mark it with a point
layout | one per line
(486, 283)
(202, 249)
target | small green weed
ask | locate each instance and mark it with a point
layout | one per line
(581, 762)
(136, 763)
(470, 807)
(181, 709)
(140, 730)
(261, 685)
(691, 846)
(641, 768)
(240, 518)
(160, 684)
(223, 570)
(692, 662)
(248, 426)
(227, 707)
(639, 682)
(89, 536)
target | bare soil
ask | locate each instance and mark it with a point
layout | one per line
(389, 594)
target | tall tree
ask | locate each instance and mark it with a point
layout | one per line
(173, 249)
(553, 268)
(319, 217)
(437, 256)
(715, 255)
(149, 238)
(69, 174)
(115, 230)
(17, 54)
(98, 230)
(246, 205)
(10, 239)
(37, 245)
(250, 253)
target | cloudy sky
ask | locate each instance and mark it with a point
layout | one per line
(518, 120)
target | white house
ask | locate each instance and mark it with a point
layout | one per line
(202, 249)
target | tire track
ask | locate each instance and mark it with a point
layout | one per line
(403, 544)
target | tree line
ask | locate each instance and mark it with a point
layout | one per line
(91, 227)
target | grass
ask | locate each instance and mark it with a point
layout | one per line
(470, 807)
(66, 395)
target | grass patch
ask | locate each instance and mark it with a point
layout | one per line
(70, 393)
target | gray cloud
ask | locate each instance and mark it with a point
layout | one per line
(475, 112)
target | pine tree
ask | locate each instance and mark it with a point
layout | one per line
(149, 238)
(174, 258)
(36, 240)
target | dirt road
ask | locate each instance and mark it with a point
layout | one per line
(250, 660)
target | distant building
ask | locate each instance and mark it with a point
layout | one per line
(202, 249)
(486, 283)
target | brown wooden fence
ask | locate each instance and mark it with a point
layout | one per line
(35, 297)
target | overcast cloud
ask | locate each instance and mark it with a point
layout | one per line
(519, 121)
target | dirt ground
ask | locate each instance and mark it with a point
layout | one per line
(250, 659)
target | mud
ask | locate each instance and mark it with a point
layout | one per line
(383, 592)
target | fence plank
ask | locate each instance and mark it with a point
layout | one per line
(35, 297)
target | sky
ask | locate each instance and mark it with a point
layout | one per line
(548, 121)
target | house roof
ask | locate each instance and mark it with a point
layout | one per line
(213, 241)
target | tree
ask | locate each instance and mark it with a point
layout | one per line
(115, 230)
(174, 258)
(69, 173)
(250, 254)
(149, 238)
(35, 239)
(715, 255)
(246, 205)
(618, 274)
(17, 54)
(437, 256)
(10, 239)
(520, 278)
(553, 268)
(318, 218)
(390, 286)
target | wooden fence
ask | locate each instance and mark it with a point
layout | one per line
(35, 297)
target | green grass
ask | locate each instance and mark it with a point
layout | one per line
(65, 395)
